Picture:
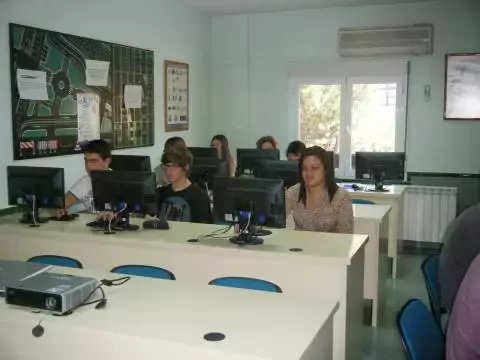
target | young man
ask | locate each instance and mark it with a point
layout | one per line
(97, 156)
(174, 142)
(181, 200)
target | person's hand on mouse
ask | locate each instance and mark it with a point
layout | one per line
(106, 216)
(59, 213)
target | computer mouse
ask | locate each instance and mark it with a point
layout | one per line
(157, 224)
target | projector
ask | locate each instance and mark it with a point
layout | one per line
(55, 293)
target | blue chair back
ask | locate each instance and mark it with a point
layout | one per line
(362, 202)
(430, 274)
(144, 270)
(246, 283)
(421, 335)
(56, 260)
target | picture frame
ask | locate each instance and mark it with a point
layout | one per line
(177, 96)
(462, 87)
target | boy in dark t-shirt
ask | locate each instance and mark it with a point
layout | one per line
(181, 200)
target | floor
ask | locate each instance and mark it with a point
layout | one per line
(384, 342)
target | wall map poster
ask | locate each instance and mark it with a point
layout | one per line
(67, 90)
(176, 96)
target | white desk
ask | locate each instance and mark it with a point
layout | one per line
(330, 265)
(394, 198)
(372, 220)
(153, 319)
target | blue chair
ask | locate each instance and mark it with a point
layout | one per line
(421, 336)
(246, 283)
(144, 270)
(430, 274)
(362, 202)
(56, 260)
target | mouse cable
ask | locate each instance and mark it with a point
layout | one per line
(220, 231)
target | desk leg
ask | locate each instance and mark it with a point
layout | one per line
(393, 222)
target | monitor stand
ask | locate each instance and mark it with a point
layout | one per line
(31, 216)
(245, 238)
(121, 223)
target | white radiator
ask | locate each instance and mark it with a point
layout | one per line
(427, 211)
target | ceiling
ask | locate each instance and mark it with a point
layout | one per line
(224, 7)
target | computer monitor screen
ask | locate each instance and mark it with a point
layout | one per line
(203, 152)
(34, 188)
(44, 184)
(392, 165)
(265, 198)
(124, 191)
(278, 169)
(131, 163)
(246, 158)
(205, 170)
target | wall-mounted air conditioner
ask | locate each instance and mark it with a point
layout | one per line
(386, 41)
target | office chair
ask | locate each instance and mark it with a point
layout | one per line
(362, 202)
(430, 274)
(56, 260)
(246, 283)
(422, 338)
(144, 270)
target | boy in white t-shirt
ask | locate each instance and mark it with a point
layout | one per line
(79, 198)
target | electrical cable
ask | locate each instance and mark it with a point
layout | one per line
(34, 204)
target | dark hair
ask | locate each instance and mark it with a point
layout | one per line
(173, 142)
(330, 183)
(296, 147)
(266, 139)
(225, 148)
(179, 156)
(100, 147)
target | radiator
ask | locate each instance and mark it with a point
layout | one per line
(427, 211)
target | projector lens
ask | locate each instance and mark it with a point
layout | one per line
(50, 303)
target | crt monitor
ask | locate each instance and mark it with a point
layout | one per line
(124, 192)
(205, 170)
(246, 158)
(278, 169)
(34, 188)
(203, 152)
(131, 163)
(392, 165)
(265, 198)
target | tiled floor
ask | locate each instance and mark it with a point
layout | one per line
(384, 342)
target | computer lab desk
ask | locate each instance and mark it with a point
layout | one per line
(153, 319)
(394, 198)
(328, 265)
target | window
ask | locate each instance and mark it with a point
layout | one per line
(350, 114)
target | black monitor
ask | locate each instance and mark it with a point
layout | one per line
(263, 200)
(371, 165)
(131, 163)
(246, 158)
(278, 169)
(34, 188)
(124, 192)
(203, 152)
(205, 170)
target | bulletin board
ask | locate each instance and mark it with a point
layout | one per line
(67, 90)
(176, 89)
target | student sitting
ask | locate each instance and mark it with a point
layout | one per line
(97, 156)
(220, 142)
(463, 332)
(461, 244)
(174, 142)
(295, 150)
(317, 203)
(181, 200)
(267, 143)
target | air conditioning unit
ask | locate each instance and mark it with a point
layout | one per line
(386, 41)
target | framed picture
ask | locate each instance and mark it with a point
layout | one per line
(462, 87)
(176, 96)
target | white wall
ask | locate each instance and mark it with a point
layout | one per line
(251, 55)
(172, 31)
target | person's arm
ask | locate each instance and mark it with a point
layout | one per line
(233, 167)
(343, 212)
(291, 198)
